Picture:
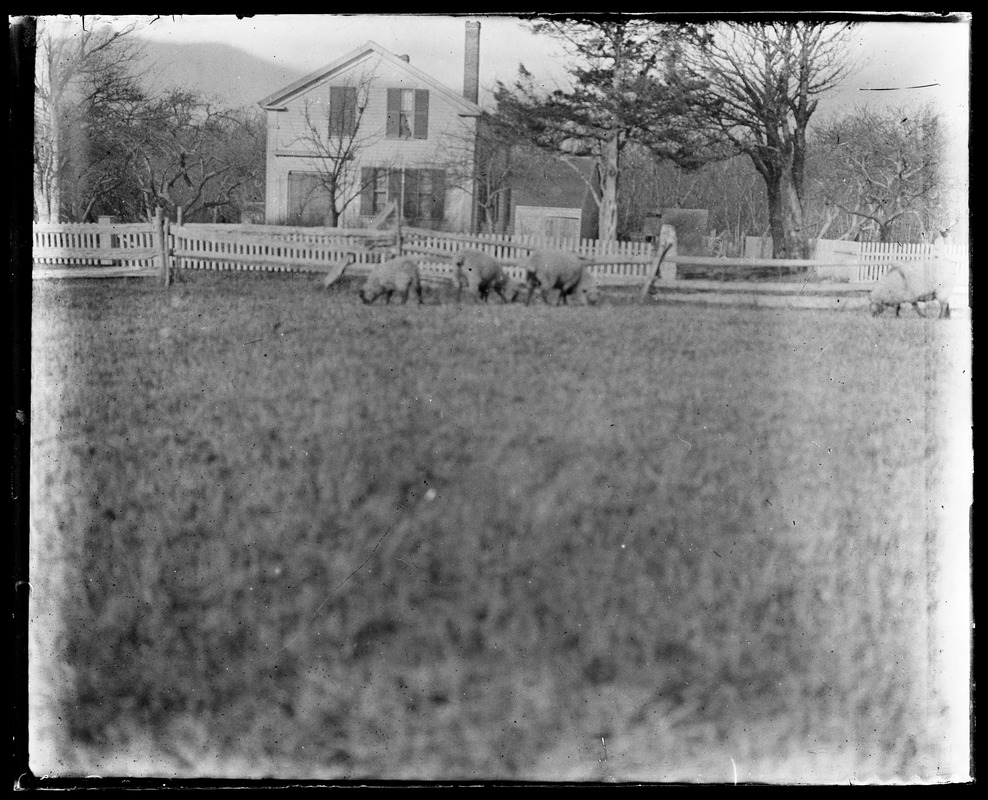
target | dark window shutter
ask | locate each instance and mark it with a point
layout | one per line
(351, 100)
(336, 103)
(438, 195)
(342, 111)
(411, 207)
(394, 109)
(421, 114)
(367, 191)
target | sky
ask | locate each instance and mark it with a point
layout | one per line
(892, 55)
(901, 65)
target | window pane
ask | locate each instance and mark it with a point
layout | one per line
(380, 190)
(407, 112)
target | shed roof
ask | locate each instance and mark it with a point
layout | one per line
(279, 99)
(551, 182)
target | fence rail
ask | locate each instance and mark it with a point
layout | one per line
(134, 245)
(284, 249)
(150, 248)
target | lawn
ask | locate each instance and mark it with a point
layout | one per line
(276, 532)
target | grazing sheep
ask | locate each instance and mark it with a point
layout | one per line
(567, 272)
(914, 283)
(481, 274)
(511, 289)
(397, 275)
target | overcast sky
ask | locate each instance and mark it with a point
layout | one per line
(901, 64)
(892, 55)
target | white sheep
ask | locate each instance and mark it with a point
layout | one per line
(569, 273)
(394, 276)
(482, 275)
(914, 283)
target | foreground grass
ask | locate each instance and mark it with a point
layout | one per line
(285, 534)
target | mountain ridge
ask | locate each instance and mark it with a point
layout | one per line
(229, 75)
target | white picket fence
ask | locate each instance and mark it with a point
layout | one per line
(133, 246)
(141, 248)
(861, 262)
(273, 248)
(616, 263)
(877, 257)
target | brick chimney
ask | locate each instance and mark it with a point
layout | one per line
(471, 63)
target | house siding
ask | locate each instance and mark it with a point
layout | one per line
(449, 143)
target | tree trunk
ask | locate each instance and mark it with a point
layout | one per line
(608, 216)
(785, 214)
(47, 189)
(44, 203)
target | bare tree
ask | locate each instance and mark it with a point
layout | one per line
(78, 69)
(497, 165)
(188, 153)
(880, 170)
(768, 79)
(333, 136)
(730, 189)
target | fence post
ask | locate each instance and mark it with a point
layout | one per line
(179, 215)
(162, 225)
(668, 244)
(107, 240)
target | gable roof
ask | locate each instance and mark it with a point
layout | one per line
(278, 100)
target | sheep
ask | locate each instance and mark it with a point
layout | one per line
(567, 272)
(511, 290)
(397, 275)
(482, 274)
(914, 283)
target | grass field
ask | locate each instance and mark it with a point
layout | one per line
(278, 533)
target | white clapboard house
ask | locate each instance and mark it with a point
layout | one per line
(379, 134)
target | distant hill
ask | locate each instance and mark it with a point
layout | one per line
(233, 77)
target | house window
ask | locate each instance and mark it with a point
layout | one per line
(378, 186)
(424, 197)
(408, 114)
(309, 201)
(420, 193)
(342, 111)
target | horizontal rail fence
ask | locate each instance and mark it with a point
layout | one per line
(128, 245)
(274, 248)
(137, 249)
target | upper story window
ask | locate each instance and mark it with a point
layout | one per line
(408, 114)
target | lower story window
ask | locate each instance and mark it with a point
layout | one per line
(309, 202)
(380, 198)
(419, 193)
